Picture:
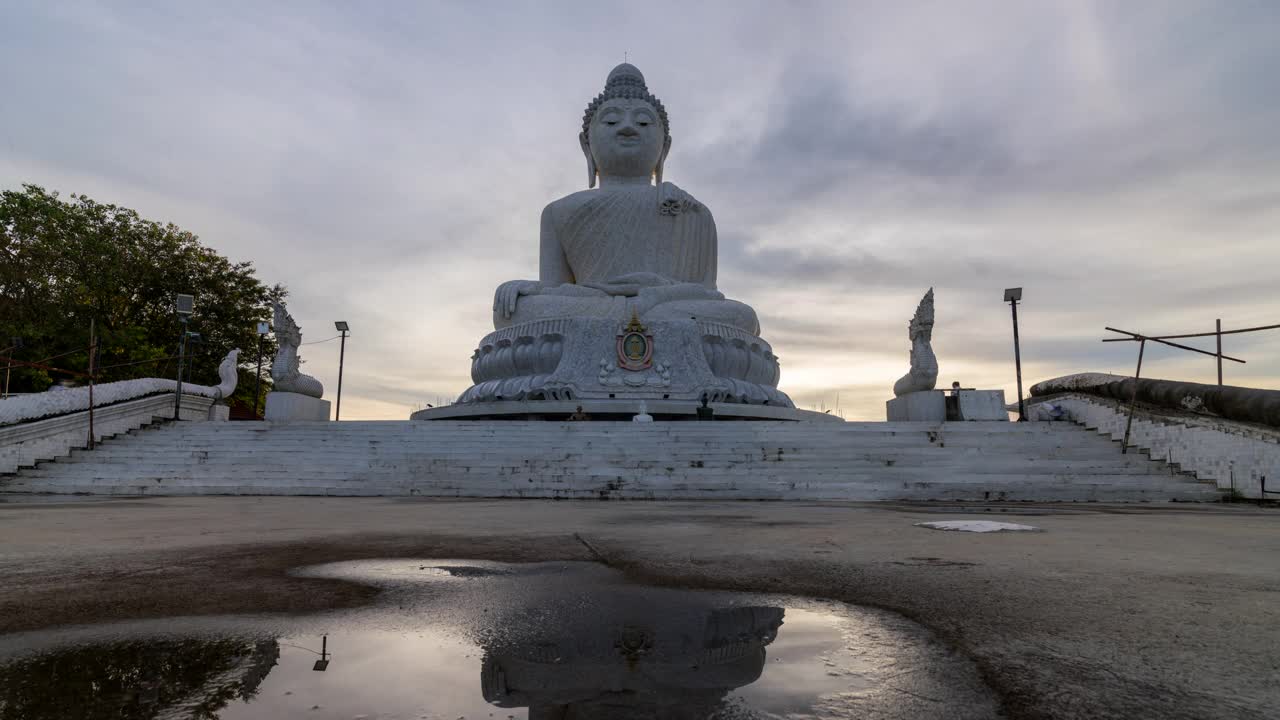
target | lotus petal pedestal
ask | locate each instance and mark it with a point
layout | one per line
(586, 361)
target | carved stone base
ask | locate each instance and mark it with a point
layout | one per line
(292, 407)
(924, 406)
(586, 358)
(939, 406)
(982, 405)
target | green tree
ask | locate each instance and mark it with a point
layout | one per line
(65, 263)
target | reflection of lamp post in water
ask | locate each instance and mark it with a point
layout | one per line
(323, 663)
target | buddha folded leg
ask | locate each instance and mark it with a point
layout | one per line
(629, 296)
(568, 300)
(727, 312)
(692, 301)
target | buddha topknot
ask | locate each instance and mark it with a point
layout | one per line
(627, 82)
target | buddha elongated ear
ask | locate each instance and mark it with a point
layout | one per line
(591, 162)
(662, 160)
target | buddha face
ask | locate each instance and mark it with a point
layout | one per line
(626, 138)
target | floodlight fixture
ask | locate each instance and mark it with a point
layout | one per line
(1013, 294)
(184, 305)
(264, 328)
(341, 326)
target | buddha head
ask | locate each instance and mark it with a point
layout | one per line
(625, 132)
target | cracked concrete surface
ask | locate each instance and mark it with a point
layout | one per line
(1169, 611)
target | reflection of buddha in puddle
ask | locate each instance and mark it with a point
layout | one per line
(670, 662)
(629, 246)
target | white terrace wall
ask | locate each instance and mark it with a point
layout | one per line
(28, 443)
(1235, 455)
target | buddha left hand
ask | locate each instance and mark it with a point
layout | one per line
(509, 292)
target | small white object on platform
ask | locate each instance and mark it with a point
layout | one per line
(294, 407)
(643, 415)
(923, 406)
(983, 405)
(979, 526)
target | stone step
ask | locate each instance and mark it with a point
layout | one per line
(773, 454)
(626, 460)
(638, 440)
(422, 464)
(1015, 491)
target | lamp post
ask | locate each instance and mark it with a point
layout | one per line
(342, 327)
(183, 305)
(15, 343)
(194, 341)
(1013, 296)
(263, 329)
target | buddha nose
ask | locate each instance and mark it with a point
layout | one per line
(628, 130)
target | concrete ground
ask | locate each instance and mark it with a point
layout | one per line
(1169, 611)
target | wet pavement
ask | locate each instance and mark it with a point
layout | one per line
(1113, 612)
(475, 639)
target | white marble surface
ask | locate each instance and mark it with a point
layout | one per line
(617, 410)
(285, 375)
(924, 406)
(1235, 456)
(923, 374)
(635, 247)
(577, 359)
(60, 401)
(983, 405)
(284, 407)
(1067, 383)
(658, 460)
(978, 526)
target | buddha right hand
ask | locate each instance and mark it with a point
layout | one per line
(509, 292)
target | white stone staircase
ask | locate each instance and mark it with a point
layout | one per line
(685, 460)
(1236, 456)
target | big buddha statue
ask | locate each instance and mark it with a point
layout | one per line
(625, 305)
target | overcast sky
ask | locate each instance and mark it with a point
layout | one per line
(388, 162)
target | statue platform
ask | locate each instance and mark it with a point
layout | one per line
(614, 410)
(295, 407)
(579, 360)
(937, 406)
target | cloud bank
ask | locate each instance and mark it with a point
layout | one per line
(388, 163)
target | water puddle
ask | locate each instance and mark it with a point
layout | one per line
(546, 641)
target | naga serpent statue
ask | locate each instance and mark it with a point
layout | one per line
(924, 365)
(228, 374)
(284, 371)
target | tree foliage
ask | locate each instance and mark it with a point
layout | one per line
(65, 263)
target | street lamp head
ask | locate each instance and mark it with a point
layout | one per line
(264, 328)
(1013, 294)
(184, 304)
(341, 326)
